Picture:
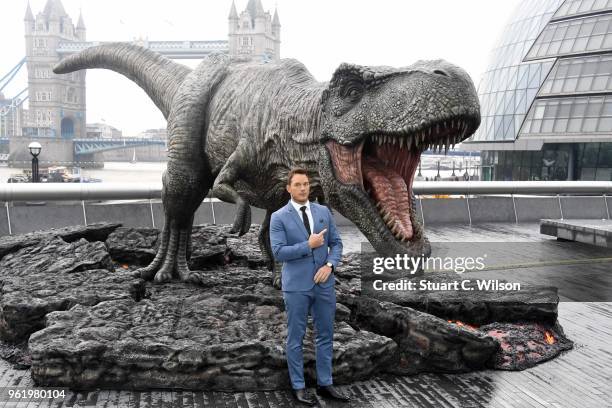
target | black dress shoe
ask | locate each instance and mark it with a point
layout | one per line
(305, 398)
(331, 392)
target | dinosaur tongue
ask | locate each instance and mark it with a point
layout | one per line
(388, 171)
(385, 170)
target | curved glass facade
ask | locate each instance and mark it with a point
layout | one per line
(509, 86)
(582, 75)
(546, 97)
(573, 8)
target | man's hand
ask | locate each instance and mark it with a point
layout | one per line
(316, 240)
(322, 274)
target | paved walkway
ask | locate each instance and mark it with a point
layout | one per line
(578, 378)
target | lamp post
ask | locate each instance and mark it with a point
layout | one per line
(35, 149)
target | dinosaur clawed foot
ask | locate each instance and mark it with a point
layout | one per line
(171, 259)
(242, 220)
(276, 281)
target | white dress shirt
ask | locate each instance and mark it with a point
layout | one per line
(297, 207)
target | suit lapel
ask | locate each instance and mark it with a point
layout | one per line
(297, 218)
(315, 227)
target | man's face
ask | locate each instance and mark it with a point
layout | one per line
(299, 188)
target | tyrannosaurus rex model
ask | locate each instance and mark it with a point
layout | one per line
(238, 126)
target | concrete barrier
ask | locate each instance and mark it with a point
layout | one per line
(147, 214)
(532, 209)
(135, 215)
(492, 209)
(4, 229)
(445, 211)
(29, 218)
(583, 207)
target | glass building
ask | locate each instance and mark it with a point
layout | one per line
(546, 97)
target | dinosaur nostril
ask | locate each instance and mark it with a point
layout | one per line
(440, 72)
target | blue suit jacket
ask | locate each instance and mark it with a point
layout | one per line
(289, 241)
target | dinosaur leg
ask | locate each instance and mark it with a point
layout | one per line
(264, 241)
(189, 242)
(266, 250)
(188, 176)
(224, 190)
(148, 272)
(183, 191)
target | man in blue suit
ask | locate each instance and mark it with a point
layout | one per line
(303, 236)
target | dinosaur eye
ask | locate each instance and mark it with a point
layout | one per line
(353, 91)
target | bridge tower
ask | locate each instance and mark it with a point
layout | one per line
(57, 103)
(254, 32)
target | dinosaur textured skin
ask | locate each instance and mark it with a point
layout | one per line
(237, 127)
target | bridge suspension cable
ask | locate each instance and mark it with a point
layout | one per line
(11, 74)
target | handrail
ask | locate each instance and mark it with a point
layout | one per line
(127, 191)
(79, 191)
(512, 187)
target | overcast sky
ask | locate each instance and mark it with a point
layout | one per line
(320, 33)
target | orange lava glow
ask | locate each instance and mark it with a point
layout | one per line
(461, 324)
(550, 339)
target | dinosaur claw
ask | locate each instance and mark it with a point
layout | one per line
(163, 275)
(146, 273)
(242, 221)
(276, 282)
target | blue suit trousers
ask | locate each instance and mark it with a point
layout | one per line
(321, 302)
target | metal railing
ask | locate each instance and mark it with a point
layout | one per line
(135, 191)
(10, 192)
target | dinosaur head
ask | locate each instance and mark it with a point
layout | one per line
(375, 123)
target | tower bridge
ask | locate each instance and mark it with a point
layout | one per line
(57, 103)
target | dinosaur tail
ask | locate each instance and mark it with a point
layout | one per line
(158, 76)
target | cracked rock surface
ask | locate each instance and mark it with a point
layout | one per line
(89, 322)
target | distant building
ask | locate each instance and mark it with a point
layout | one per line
(157, 134)
(254, 32)
(11, 117)
(546, 97)
(57, 102)
(103, 131)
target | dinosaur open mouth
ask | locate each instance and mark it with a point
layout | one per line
(383, 165)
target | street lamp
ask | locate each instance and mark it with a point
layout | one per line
(35, 149)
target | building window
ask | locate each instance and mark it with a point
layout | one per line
(42, 73)
(40, 42)
(71, 95)
(43, 96)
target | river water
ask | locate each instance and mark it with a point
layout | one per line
(151, 172)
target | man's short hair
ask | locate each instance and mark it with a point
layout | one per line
(294, 172)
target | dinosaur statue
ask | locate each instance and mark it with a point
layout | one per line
(238, 126)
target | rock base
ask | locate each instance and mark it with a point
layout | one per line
(89, 322)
